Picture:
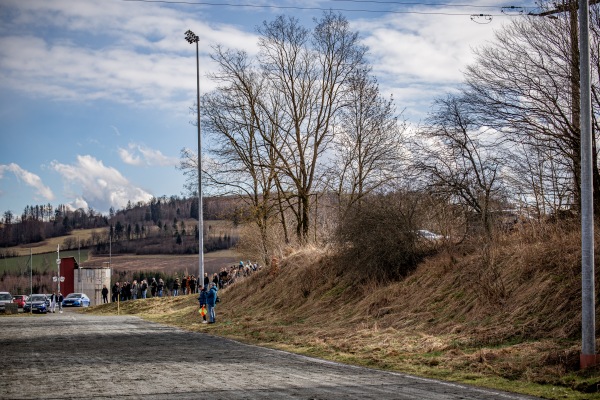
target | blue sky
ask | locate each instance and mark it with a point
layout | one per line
(95, 94)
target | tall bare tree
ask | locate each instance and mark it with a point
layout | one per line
(368, 141)
(241, 153)
(307, 72)
(526, 85)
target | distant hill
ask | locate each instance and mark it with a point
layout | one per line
(147, 226)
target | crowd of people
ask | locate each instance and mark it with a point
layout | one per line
(189, 284)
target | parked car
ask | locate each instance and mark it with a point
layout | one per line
(5, 297)
(20, 299)
(76, 300)
(37, 303)
(425, 234)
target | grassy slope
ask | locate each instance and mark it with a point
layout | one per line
(506, 316)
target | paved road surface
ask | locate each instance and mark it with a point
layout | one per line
(74, 356)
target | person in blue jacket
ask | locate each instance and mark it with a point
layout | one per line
(211, 301)
(202, 301)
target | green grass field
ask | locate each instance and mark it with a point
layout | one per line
(40, 262)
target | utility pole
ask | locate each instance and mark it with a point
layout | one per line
(588, 356)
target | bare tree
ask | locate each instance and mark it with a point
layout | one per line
(368, 141)
(307, 73)
(458, 159)
(526, 85)
(241, 156)
(538, 179)
(271, 118)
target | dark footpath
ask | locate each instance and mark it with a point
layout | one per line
(76, 356)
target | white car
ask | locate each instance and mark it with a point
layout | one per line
(425, 234)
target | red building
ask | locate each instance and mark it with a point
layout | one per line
(67, 270)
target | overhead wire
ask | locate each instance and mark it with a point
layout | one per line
(250, 5)
(413, 3)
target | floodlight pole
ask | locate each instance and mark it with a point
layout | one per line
(191, 37)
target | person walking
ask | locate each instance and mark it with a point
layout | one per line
(211, 301)
(104, 294)
(202, 301)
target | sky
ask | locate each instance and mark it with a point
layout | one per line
(95, 95)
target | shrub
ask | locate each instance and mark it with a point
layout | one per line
(377, 239)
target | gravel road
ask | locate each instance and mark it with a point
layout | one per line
(76, 356)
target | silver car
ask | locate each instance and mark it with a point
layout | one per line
(5, 298)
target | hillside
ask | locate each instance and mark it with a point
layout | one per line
(506, 316)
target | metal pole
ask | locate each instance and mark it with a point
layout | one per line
(30, 280)
(58, 264)
(200, 206)
(191, 37)
(30, 272)
(588, 312)
(79, 265)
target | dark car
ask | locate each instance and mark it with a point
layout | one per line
(76, 300)
(37, 303)
(20, 300)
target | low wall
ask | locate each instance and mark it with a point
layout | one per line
(11, 308)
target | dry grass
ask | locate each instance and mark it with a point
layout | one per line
(507, 316)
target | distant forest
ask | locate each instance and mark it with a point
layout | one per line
(165, 225)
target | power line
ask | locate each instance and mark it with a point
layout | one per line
(204, 3)
(403, 3)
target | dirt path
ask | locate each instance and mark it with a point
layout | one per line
(76, 356)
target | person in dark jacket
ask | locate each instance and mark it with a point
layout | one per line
(60, 300)
(160, 287)
(176, 287)
(153, 287)
(202, 301)
(105, 294)
(211, 301)
(116, 292)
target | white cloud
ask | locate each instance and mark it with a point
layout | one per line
(97, 185)
(131, 53)
(137, 154)
(420, 57)
(129, 158)
(29, 179)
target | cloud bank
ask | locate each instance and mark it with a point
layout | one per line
(97, 186)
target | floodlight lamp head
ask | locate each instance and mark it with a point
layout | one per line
(191, 37)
